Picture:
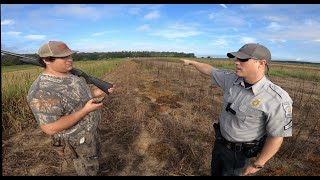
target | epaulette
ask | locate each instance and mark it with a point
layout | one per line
(277, 90)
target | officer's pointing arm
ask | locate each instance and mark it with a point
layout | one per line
(202, 67)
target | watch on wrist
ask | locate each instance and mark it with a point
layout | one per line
(257, 166)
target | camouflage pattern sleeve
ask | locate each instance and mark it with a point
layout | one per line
(46, 106)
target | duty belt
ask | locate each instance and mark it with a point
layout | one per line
(236, 146)
(232, 145)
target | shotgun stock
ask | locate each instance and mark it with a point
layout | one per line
(103, 85)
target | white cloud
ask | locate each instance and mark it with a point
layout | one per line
(7, 22)
(225, 16)
(134, 11)
(246, 40)
(220, 42)
(274, 26)
(223, 5)
(152, 15)
(209, 28)
(278, 40)
(99, 33)
(295, 32)
(258, 7)
(82, 46)
(154, 6)
(12, 33)
(78, 10)
(172, 34)
(276, 18)
(177, 31)
(102, 33)
(211, 16)
(144, 27)
(311, 22)
(35, 37)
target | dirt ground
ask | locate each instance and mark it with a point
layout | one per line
(158, 122)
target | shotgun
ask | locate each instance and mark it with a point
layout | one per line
(103, 85)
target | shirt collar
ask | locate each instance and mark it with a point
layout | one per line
(256, 87)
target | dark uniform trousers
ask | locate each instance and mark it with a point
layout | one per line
(228, 158)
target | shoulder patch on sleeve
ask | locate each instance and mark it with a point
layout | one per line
(287, 126)
(288, 109)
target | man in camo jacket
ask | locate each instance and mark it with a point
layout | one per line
(66, 108)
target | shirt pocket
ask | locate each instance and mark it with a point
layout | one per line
(250, 117)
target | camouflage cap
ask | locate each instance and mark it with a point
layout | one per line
(252, 50)
(55, 49)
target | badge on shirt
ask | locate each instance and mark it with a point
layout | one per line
(255, 103)
(288, 109)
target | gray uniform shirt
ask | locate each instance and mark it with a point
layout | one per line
(263, 108)
(52, 97)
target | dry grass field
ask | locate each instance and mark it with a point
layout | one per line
(158, 122)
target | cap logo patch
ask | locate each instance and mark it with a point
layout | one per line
(63, 47)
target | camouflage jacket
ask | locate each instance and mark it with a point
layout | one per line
(52, 97)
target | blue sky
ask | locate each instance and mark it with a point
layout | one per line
(290, 31)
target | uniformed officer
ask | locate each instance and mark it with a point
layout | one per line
(64, 107)
(256, 114)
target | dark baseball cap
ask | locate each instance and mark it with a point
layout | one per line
(252, 50)
(55, 49)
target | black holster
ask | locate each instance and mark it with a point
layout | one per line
(216, 127)
(254, 150)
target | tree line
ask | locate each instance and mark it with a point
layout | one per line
(8, 60)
